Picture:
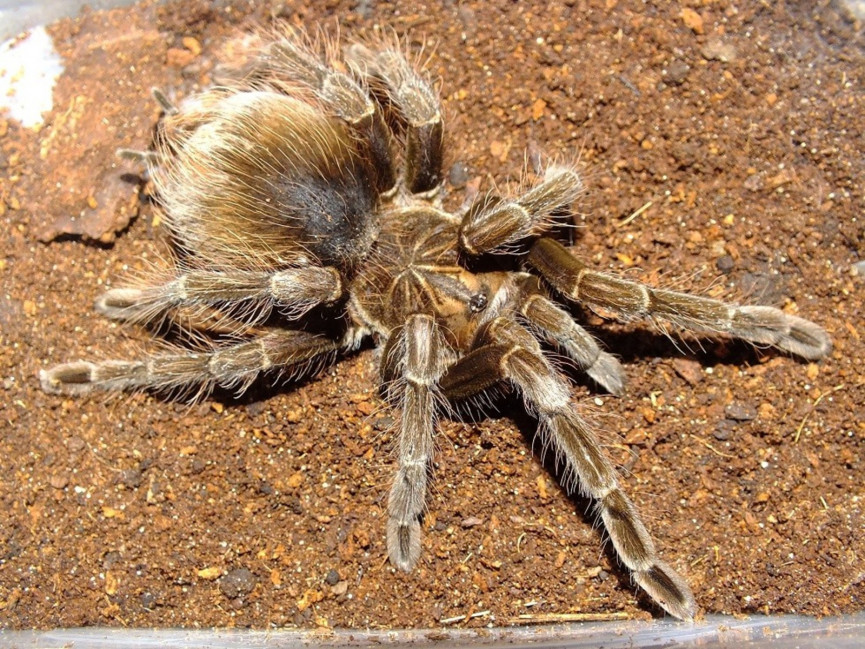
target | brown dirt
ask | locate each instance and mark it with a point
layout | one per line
(741, 124)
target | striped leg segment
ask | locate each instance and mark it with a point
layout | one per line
(511, 353)
(416, 354)
(494, 224)
(761, 325)
(250, 296)
(232, 367)
(554, 325)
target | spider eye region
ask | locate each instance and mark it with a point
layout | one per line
(478, 302)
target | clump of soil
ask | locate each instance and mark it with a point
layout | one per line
(722, 144)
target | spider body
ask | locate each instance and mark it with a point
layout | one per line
(284, 194)
(423, 275)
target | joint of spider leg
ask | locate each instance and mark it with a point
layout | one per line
(435, 119)
(568, 174)
(528, 305)
(368, 113)
(414, 464)
(416, 380)
(388, 195)
(430, 195)
(266, 361)
(178, 288)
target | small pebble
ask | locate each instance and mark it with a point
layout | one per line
(677, 72)
(740, 412)
(717, 50)
(237, 583)
(688, 369)
(291, 503)
(332, 578)
(725, 264)
(723, 431)
(59, 481)
(266, 488)
(458, 175)
(131, 478)
(111, 559)
(256, 408)
(341, 588)
(383, 423)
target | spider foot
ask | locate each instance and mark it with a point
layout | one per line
(667, 588)
(403, 543)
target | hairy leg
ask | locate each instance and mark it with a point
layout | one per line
(415, 105)
(762, 325)
(554, 325)
(509, 352)
(416, 356)
(248, 296)
(494, 224)
(233, 366)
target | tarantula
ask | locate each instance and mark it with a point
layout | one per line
(300, 232)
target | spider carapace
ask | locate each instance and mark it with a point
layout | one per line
(315, 181)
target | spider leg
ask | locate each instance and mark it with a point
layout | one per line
(149, 159)
(146, 158)
(762, 325)
(416, 355)
(494, 224)
(509, 352)
(294, 59)
(248, 295)
(164, 102)
(417, 108)
(233, 366)
(556, 326)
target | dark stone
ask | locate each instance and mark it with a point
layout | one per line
(725, 264)
(740, 412)
(723, 431)
(237, 583)
(677, 72)
(458, 175)
(131, 478)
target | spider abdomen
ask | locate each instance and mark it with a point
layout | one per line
(268, 179)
